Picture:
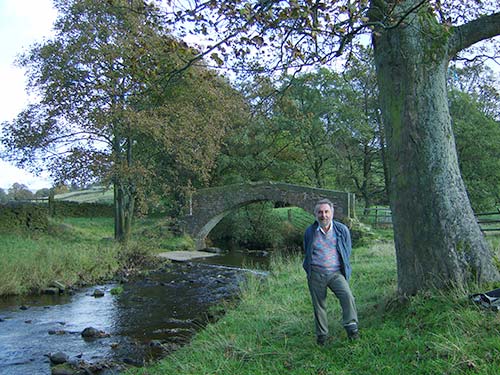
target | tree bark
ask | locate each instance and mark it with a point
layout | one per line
(124, 201)
(118, 207)
(124, 190)
(438, 241)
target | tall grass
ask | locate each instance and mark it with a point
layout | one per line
(79, 251)
(72, 252)
(271, 330)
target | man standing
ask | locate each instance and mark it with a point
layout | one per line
(327, 246)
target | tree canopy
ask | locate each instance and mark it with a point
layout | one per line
(438, 242)
(109, 83)
(478, 137)
(266, 36)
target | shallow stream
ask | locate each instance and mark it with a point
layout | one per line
(151, 317)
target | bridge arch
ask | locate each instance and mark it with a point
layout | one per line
(207, 207)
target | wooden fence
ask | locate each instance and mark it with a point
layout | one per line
(489, 221)
(381, 217)
(377, 216)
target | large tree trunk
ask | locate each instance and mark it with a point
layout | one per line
(438, 241)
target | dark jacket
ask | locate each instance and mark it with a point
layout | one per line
(344, 247)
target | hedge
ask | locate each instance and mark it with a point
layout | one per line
(15, 215)
(34, 216)
(84, 209)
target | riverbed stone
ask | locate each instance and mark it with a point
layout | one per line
(58, 358)
(98, 293)
(91, 333)
(60, 286)
(63, 371)
(155, 343)
(57, 332)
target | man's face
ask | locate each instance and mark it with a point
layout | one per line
(324, 215)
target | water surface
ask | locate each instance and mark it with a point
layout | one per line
(152, 316)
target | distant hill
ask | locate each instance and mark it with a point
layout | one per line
(91, 195)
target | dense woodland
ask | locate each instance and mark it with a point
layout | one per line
(125, 102)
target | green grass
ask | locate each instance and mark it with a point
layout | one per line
(157, 235)
(78, 251)
(271, 330)
(299, 218)
(486, 224)
(72, 252)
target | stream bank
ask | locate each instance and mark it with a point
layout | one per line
(150, 317)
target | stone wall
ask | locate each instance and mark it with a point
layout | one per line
(23, 216)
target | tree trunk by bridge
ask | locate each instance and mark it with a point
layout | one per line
(438, 242)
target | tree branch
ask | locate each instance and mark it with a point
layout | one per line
(472, 32)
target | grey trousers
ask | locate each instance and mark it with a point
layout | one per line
(336, 282)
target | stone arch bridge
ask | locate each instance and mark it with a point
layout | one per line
(209, 206)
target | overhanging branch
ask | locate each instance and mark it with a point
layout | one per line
(472, 32)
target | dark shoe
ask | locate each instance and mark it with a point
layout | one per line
(353, 335)
(321, 340)
(352, 331)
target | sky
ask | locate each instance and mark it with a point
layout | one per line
(22, 23)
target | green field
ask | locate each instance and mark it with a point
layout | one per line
(91, 195)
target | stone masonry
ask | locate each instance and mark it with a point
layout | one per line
(208, 206)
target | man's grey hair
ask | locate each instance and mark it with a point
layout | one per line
(323, 201)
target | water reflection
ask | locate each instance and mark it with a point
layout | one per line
(150, 317)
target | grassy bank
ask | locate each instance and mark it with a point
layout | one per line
(72, 252)
(77, 251)
(271, 330)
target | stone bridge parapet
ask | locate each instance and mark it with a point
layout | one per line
(208, 206)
